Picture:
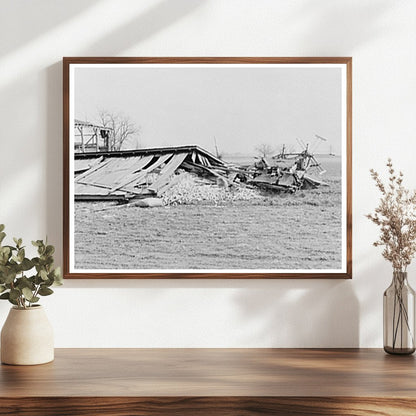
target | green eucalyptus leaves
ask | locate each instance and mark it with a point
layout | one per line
(16, 285)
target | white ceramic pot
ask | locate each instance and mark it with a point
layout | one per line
(27, 337)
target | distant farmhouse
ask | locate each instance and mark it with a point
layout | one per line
(90, 137)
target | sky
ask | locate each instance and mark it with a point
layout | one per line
(239, 107)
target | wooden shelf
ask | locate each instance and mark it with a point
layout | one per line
(212, 382)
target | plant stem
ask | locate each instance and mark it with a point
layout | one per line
(401, 314)
(394, 315)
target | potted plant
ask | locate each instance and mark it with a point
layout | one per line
(27, 336)
(396, 217)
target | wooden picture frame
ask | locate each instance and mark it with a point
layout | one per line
(225, 103)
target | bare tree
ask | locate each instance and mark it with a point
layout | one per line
(123, 129)
(264, 150)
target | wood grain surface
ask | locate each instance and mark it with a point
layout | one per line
(212, 381)
(208, 406)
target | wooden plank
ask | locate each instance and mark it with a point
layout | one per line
(225, 382)
(82, 165)
(137, 172)
(235, 169)
(93, 169)
(215, 372)
(86, 184)
(96, 197)
(155, 151)
(92, 189)
(122, 169)
(192, 167)
(100, 170)
(116, 169)
(167, 171)
(205, 382)
(100, 188)
(136, 178)
(204, 161)
(207, 406)
(209, 170)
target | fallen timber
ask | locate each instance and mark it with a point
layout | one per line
(148, 173)
(141, 173)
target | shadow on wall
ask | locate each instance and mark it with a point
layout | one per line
(350, 24)
(44, 17)
(157, 18)
(54, 138)
(301, 313)
(246, 313)
(150, 22)
(308, 313)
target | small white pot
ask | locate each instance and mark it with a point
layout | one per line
(27, 337)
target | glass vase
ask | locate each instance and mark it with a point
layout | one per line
(399, 316)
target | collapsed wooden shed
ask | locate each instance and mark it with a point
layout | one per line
(141, 173)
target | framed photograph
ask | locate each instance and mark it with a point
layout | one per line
(207, 167)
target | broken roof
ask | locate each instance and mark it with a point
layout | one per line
(156, 151)
(81, 123)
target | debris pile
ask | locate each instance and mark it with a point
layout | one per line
(188, 175)
(189, 189)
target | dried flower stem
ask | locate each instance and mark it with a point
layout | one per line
(396, 217)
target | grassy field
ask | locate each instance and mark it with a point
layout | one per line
(302, 230)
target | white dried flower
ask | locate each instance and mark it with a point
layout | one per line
(396, 217)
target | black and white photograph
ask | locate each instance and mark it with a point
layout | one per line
(207, 168)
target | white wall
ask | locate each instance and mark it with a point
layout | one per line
(380, 35)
